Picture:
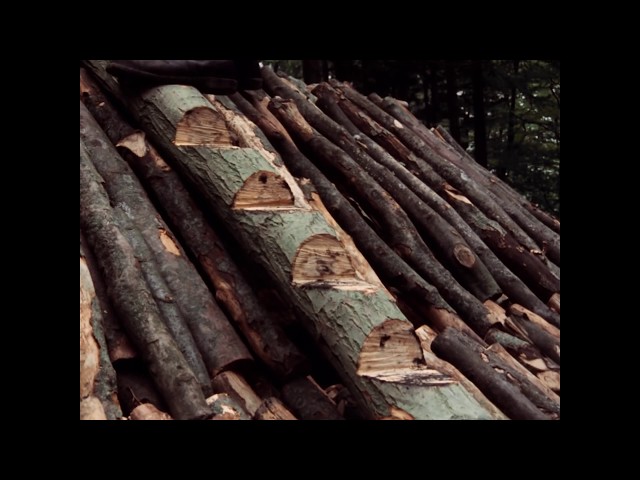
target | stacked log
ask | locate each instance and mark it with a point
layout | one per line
(361, 217)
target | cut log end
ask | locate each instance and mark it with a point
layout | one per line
(321, 260)
(203, 126)
(168, 242)
(264, 190)
(390, 346)
(135, 142)
(464, 255)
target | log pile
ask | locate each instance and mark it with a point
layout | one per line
(304, 252)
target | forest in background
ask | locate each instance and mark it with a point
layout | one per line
(506, 113)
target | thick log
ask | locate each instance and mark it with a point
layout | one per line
(396, 272)
(258, 325)
(308, 401)
(98, 386)
(237, 388)
(536, 390)
(344, 313)
(273, 409)
(131, 296)
(135, 386)
(545, 369)
(457, 177)
(216, 339)
(119, 347)
(473, 361)
(426, 336)
(403, 235)
(517, 259)
(535, 330)
(451, 247)
(171, 314)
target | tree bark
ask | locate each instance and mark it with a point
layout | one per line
(526, 326)
(455, 176)
(237, 388)
(273, 409)
(308, 401)
(301, 250)
(119, 347)
(217, 342)
(449, 243)
(478, 364)
(396, 272)
(259, 327)
(547, 371)
(131, 296)
(515, 257)
(426, 336)
(403, 235)
(171, 314)
(98, 387)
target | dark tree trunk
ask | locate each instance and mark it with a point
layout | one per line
(260, 328)
(308, 401)
(215, 337)
(452, 101)
(479, 119)
(313, 71)
(490, 374)
(423, 296)
(134, 301)
(344, 70)
(508, 159)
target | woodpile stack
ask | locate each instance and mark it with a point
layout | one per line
(303, 252)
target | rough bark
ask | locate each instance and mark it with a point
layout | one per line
(131, 296)
(395, 271)
(258, 325)
(237, 388)
(308, 401)
(273, 409)
(546, 370)
(217, 342)
(404, 237)
(171, 314)
(456, 177)
(500, 191)
(349, 314)
(489, 374)
(468, 221)
(119, 347)
(474, 276)
(98, 387)
(426, 336)
(526, 326)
